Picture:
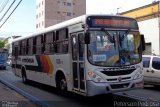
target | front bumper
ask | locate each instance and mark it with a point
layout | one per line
(94, 88)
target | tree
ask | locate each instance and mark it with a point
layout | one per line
(2, 43)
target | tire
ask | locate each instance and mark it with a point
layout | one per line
(157, 86)
(4, 68)
(24, 77)
(61, 85)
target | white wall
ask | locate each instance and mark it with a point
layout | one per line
(150, 29)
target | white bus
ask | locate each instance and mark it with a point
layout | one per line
(88, 55)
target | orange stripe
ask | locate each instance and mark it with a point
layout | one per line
(46, 65)
(50, 65)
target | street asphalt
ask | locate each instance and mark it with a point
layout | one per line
(10, 98)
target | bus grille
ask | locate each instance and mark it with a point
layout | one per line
(118, 72)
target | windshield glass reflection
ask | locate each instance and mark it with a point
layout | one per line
(114, 48)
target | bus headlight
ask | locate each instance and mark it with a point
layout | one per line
(138, 74)
(95, 77)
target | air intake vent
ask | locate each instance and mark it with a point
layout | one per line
(118, 72)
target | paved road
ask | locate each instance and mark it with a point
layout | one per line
(49, 95)
(10, 98)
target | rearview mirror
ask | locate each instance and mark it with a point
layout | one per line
(142, 42)
(87, 38)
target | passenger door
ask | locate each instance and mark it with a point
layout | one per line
(77, 42)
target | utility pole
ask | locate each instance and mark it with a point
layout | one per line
(118, 11)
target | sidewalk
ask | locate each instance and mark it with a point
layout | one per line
(10, 98)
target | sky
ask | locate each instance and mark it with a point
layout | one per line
(23, 20)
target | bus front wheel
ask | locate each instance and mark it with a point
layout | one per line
(61, 84)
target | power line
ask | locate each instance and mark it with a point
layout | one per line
(7, 10)
(3, 5)
(11, 13)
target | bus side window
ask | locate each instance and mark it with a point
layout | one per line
(27, 47)
(29, 43)
(20, 48)
(16, 52)
(23, 48)
(30, 47)
(49, 42)
(61, 44)
(39, 40)
(13, 49)
(34, 45)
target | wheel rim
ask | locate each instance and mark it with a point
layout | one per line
(24, 78)
(63, 84)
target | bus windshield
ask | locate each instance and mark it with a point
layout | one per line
(114, 48)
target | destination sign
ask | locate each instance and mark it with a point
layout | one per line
(112, 22)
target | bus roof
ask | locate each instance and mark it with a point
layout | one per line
(80, 19)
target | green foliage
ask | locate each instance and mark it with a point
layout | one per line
(2, 43)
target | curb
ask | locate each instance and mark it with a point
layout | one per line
(25, 94)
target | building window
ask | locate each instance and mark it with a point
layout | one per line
(42, 23)
(42, 13)
(42, 2)
(64, 3)
(68, 13)
(36, 25)
(68, 4)
(37, 16)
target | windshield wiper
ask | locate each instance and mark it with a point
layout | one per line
(111, 39)
(121, 37)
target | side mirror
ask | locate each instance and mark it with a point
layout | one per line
(87, 38)
(142, 42)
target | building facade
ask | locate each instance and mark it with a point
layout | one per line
(148, 18)
(50, 12)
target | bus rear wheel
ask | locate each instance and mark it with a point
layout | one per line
(24, 77)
